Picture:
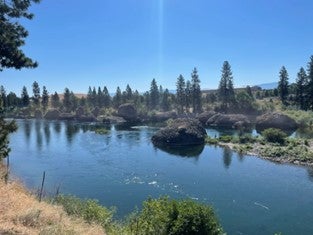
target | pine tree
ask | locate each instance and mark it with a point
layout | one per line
(301, 84)
(106, 97)
(188, 95)
(3, 97)
(196, 92)
(117, 99)
(129, 93)
(310, 84)
(45, 98)
(67, 100)
(283, 85)
(226, 91)
(55, 100)
(36, 94)
(154, 94)
(99, 98)
(165, 103)
(181, 93)
(25, 97)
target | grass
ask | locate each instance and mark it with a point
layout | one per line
(22, 213)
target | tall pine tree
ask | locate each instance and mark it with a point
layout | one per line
(196, 91)
(301, 84)
(181, 93)
(25, 97)
(283, 85)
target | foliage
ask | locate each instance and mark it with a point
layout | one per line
(13, 34)
(36, 93)
(274, 135)
(225, 138)
(195, 91)
(45, 98)
(226, 87)
(165, 216)
(90, 210)
(5, 129)
(301, 83)
(283, 85)
(102, 131)
(154, 94)
(181, 93)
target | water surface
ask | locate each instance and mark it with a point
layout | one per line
(123, 168)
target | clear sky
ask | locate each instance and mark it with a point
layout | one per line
(115, 42)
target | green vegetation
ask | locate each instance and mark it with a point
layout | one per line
(102, 131)
(158, 216)
(274, 135)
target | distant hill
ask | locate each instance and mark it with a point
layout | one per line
(267, 86)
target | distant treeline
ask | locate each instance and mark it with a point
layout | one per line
(188, 96)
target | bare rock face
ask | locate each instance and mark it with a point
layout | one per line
(229, 121)
(181, 132)
(52, 114)
(128, 112)
(275, 120)
(205, 116)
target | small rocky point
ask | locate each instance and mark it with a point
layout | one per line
(181, 132)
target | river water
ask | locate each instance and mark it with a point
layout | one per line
(123, 168)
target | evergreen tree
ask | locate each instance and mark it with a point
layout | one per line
(181, 93)
(310, 83)
(3, 97)
(117, 99)
(196, 92)
(36, 93)
(73, 101)
(106, 97)
(188, 95)
(249, 91)
(45, 98)
(301, 84)
(12, 100)
(100, 98)
(67, 100)
(154, 94)
(165, 103)
(129, 93)
(24, 97)
(55, 100)
(283, 85)
(89, 96)
(226, 91)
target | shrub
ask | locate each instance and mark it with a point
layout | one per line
(225, 138)
(165, 216)
(274, 135)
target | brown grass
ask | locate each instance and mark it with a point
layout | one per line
(22, 213)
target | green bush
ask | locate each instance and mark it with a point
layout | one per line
(225, 138)
(210, 140)
(274, 135)
(172, 217)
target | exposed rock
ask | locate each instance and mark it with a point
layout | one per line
(38, 114)
(275, 120)
(203, 117)
(163, 116)
(181, 132)
(229, 120)
(85, 118)
(128, 112)
(111, 119)
(52, 114)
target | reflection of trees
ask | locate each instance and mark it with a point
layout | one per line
(70, 131)
(27, 129)
(47, 132)
(183, 151)
(241, 157)
(38, 134)
(227, 157)
(310, 173)
(57, 127)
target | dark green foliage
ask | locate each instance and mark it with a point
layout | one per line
(244, 102)
(181, 93)
(5, 129)
(165, 100)
(154, 94)
(274, 135)
(225, 138)
(310, 83)
(36, 93)
(55, 100)
(283, 85)
(67, 100)
(226, 87)
(196, 92)
(117, 99)
(171, 217)
(13, 34)
(301, 84)
(44, 98)
(25, 97)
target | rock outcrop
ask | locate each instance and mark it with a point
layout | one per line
(128, 112)
(205, 116)
(52, 114)
(229, 121)
(275, 120)
(181, 132)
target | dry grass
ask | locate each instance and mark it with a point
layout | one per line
(22, 213)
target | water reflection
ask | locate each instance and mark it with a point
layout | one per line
(310, 173)
(227, 157)
(183, 151)
(47, 132)
(71, 129)
(27, 129)
(57, 127)
(38, 124)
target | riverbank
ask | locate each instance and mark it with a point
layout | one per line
(22, 213)
(294, 151)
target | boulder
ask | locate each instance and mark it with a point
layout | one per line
(128, 112)
(38, 114)
(181, 132)
(163, 116)
(86, 118)
(52, 114)
(275, 120)
(66, 117)
(203, 117)
(229, 121)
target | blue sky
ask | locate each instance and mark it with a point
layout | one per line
(115, 42)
